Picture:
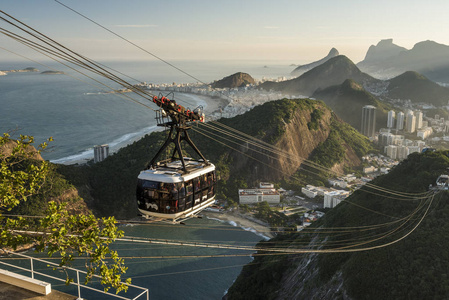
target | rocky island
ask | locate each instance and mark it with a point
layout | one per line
(52, 72)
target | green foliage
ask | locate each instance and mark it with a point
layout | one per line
(19, 179)
(329, 152)
(315, 121)
(27, 185)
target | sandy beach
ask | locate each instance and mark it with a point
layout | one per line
(242, 220)
(210, 105)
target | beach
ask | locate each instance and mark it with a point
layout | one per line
(209, 104)
(244, 221)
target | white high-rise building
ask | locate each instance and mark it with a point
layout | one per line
(419, 123)
(400, 121)
(100, 152)
(368, 120)
(402, 152)
(390, 120)
(392, 151)
(410, 122)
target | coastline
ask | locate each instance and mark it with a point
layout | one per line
(209, 104)
(244, 221)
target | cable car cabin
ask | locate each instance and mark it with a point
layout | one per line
(442, 182)
(165, 192)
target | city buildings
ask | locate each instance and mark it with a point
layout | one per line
(252, 196)
(419, 119)
(410, 122)
(368, 120)
(391, 118)
(400, 121)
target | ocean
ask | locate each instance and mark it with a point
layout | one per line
(79, 116)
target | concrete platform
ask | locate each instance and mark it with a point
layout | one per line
(10, 292)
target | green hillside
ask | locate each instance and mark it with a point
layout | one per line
(347, 101)
(412, 268)
(418, 88)
(110, 185)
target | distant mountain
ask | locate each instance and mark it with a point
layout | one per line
(387, 60)
(416, 87)
(385, 49)
(235, 80)
(333, 72)
(347, 100)
(304, 68)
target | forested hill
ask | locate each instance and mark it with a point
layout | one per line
(234, 81)
(347, 101)
(301, 127)
(412, 267)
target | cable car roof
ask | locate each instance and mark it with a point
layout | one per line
(172, 172)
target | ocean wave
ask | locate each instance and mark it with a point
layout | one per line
(114, 146)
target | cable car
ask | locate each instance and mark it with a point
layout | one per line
(442, 182)
(166, 193)
(179, 187)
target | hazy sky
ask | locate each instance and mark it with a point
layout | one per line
(299, 31)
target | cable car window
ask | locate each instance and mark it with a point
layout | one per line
(197, 184)
(204, 182)
(182, 197)
(189, 194)
(147, 184)
(173, 189)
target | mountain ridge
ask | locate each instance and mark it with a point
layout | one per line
(333, 72)
(304, 68)
(426, 57)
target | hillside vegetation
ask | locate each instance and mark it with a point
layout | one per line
(55, 187)
(418, 88)
(301, 127)
(413, 268)
(347, 101)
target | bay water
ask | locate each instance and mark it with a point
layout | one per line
(78, 116)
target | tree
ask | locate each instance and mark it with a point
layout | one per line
(58, 232)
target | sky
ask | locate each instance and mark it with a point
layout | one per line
(298, 31)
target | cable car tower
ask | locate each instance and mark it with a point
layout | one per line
(179, 187)
(176, 117)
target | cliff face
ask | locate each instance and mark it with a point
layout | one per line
(54, 188)
(7, 149)
(299, 127)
